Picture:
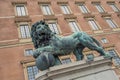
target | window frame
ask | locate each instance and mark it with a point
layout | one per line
(50, 9)
(117, 55)
(27, 54)
(113, 22)
(25, 8)
(96, 23)
(100, 7)
(115, 7)
(78, 26)
(58, 27)
(25, 65)
(68, 9)
(85, 7)
(104, 40)
(19, 32)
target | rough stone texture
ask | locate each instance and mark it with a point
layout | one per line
(99, 69)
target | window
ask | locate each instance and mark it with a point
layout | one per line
(24, 31)
(53, 27)
(66, 60)
(114, 7)
(93, 24)
(111, 23)
(83, 8)
(104, 40)
(116, 58)
(112, 53)
(32, 71)
(46, 9)
(65, 9)
(74, 26)
(28, 52)
(21, 10)
(99, 8)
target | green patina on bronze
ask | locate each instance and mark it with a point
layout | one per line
(50, 45)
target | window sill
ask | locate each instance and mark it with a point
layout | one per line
(98, 31)
(116, 29)
(25, 40)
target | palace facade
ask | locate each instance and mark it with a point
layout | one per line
(98, 18)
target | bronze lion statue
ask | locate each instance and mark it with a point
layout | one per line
(50, 45)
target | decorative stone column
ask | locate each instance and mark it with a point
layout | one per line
(98, 69)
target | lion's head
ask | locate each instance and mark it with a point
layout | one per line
(41, 34)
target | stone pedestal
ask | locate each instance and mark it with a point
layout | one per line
(98, 69)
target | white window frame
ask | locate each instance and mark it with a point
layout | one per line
(32, 76)
(111, 23)
(54, 27)
(65, 8)
(104, 40)
(46, 8)
(66, 60)
(114, 7)
(94, 25)
(99, 8)
(74, 25)
(25, 65)
(28, 52)
(24, 31)
(83, 8)
(21, 10)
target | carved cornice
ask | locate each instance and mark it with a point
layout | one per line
(44, 2)
(49, 17)
(27, 61)
(111, 2)
(88, 15)
(22, 19)
(79, 2)
(95, 2)
(69, 16)
(105, 15)
(62, 2)
(19, 2)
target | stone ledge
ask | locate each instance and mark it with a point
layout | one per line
(83, 68)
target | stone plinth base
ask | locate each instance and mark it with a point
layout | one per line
(98, 69)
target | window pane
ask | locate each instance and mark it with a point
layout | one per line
(32, 71)
(74, 26)
(25, 31)
(93, 25)
(113, 6)
(54, 28)
(111, 23)
(46, 10)
(112, 53)
(83, 8)
(65, 9)
(21, 11)
(65, 61)
(104, 40)
(28, 52)
(22, 31)
(99, 8)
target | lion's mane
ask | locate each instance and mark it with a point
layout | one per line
(34, 35)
